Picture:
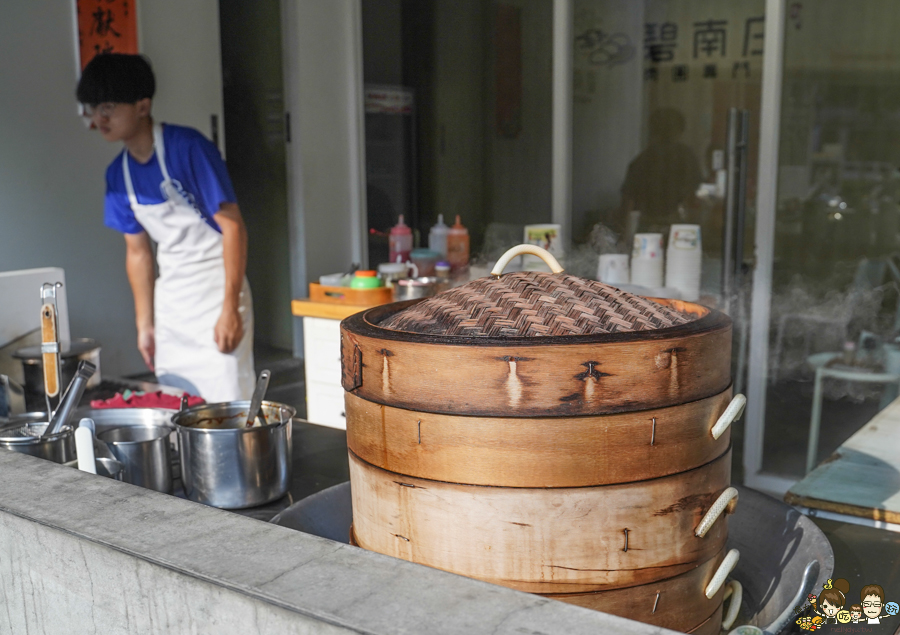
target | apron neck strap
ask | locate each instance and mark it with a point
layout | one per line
(160, 147)
(128, 185)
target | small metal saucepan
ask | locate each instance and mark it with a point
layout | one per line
(145, 454)
(226, 464)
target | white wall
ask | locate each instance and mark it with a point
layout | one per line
(52, 167)
(182, 41)
(326, 168)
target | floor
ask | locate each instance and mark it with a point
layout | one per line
(788, 409)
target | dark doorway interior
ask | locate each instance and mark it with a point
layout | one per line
(255, 152)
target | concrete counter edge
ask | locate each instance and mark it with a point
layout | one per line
(80, 553)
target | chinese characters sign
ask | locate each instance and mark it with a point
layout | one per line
(710, 48)
(106, 26)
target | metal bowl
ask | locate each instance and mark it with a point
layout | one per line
(226, 464)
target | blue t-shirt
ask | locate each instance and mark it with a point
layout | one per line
(192, 160)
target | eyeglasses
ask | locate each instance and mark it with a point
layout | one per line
(105, 110)
(871, 605)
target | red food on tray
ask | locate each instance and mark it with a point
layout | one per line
(157, 399)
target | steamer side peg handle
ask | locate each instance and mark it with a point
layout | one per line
(724, 570)
(534, 250)
(734, 590)
(732, 413)
(726, 502)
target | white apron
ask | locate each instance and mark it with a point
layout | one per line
(189, 294)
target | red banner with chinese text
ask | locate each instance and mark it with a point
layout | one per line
(106, 26)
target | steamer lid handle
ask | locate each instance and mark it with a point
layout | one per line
(534, 250)
(718, 579)
(727, 499)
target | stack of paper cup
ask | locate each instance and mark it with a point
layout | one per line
(647, 260)
(613, 269)
(684, 260)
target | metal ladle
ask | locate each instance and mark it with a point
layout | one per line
(262, 384)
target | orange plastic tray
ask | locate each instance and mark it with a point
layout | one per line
(346, 295)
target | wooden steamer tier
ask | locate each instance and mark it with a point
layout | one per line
(551, 434)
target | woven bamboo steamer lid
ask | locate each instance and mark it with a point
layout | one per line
(535, 344)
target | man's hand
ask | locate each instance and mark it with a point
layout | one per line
(141, 275)
(147, 346)
(229, 330)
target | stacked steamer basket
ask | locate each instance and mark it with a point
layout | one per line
(550, 434)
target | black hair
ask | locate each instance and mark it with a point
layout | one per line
(116, 77)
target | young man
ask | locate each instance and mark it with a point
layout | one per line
(170, 185)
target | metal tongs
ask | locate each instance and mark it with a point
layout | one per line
(71, 398)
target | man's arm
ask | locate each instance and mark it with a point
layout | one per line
(230, 328)
(141, 275)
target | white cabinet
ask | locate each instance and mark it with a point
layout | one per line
(322, 360)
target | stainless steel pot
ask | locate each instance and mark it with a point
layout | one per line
(144, 452)
(23, 434)
(414, 288)
(69, 356)
(226, 464)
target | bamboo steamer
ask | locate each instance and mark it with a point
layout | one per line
(538, 451)
(679, 603)
(579, 375)
(543, 540)
(549, 434)
(712, 626)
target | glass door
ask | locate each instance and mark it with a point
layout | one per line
(826, 289)
(666, 124)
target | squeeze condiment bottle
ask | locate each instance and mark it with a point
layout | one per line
(400, 242)
(437, 237)
(458, 246)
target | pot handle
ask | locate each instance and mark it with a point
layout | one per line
(724, 570)
(735, 591)
(732, 413)
(727, 499)
(518, 250)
